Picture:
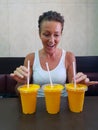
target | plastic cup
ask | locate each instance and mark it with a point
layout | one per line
(76, 96)
(52, 97)
(28, 98)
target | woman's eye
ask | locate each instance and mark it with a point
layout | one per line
(49, 35)
(56, 35)
(46, 35)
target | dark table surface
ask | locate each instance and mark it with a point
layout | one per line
(11, 117)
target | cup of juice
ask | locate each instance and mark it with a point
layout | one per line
(28, 97)
(52, 97)
(76, 96)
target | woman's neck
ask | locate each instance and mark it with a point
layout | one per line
(53, 55)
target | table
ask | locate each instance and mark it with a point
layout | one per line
(11, 117)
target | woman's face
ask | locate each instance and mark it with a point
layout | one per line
(50, 35)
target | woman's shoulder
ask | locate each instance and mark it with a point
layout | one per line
(29, 57)
(69, 58)
(69, 54)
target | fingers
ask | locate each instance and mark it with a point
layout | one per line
(80, 77)
(12, 74)
(20, 74)
(18, 79)
(92, 83)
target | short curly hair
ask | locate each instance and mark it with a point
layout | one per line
(50, 16)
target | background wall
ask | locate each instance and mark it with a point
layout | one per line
(19, 28)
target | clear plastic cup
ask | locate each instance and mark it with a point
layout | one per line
(76, 96)
(52, 97)
(28, 98)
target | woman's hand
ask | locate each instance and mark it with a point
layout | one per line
(20, 74)
(82, 78)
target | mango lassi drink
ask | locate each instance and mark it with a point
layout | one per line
(28, 98)
(52, 97)
(76, 96)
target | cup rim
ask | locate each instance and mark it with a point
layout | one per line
(85, 88)
(27, 90)
(43, 86)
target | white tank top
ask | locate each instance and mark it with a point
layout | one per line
(41, 76)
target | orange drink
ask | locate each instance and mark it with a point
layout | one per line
(52, 97)
(76, 96)
(28, 98)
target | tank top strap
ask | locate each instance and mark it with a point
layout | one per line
(63, 53)
(63, 56)
(36, 59)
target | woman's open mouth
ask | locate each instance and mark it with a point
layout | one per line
(51, 45)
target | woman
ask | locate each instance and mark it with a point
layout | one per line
(60, 62)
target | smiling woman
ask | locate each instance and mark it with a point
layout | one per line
(50, 35)
(60, 62)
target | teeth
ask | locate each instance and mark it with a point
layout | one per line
(51, 45)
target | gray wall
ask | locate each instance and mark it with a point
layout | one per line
(19, 31)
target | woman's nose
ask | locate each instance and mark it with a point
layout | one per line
(51, 39)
